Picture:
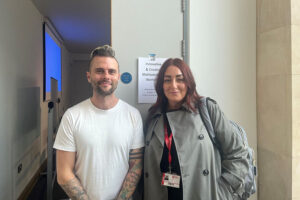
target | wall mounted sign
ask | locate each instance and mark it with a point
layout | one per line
(147, 71)
(126, 77)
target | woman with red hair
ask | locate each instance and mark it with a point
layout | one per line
(180, 161)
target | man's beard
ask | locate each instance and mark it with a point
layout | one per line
(102, 92)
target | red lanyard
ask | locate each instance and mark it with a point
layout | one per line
(168, 141)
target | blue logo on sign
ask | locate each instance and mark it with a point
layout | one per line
(126, 77)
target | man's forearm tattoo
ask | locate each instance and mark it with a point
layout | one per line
(74, 190)
(134, 174)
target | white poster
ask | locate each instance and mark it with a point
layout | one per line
(147, 70)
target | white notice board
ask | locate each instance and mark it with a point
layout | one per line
(147, 70)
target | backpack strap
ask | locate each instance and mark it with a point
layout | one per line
(205, 116)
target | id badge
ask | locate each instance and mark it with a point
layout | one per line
(170, 180)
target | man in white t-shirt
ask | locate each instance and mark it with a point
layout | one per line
(100, 140)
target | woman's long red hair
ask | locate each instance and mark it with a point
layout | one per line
(191, 97)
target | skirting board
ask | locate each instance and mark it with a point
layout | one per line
(24, 195)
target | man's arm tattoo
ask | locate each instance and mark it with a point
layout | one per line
(134, 174)
(74, 190)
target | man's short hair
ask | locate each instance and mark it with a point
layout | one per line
(104, 51)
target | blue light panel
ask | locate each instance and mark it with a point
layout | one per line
(53, 62)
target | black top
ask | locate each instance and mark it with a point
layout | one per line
(173, 193)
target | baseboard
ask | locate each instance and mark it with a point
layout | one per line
(27, 190)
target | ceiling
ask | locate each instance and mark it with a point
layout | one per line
(83, 25)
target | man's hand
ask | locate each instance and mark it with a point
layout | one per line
(134, 173)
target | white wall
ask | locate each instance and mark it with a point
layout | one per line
(23, 116)
(21, 71)
(140, 28)
(223, 57)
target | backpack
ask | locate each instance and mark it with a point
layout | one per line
(249, 181)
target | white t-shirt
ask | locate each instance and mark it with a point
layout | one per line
(102, 140)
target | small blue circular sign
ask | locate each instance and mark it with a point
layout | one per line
(126, 77)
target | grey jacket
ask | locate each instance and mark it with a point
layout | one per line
(206, 173)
